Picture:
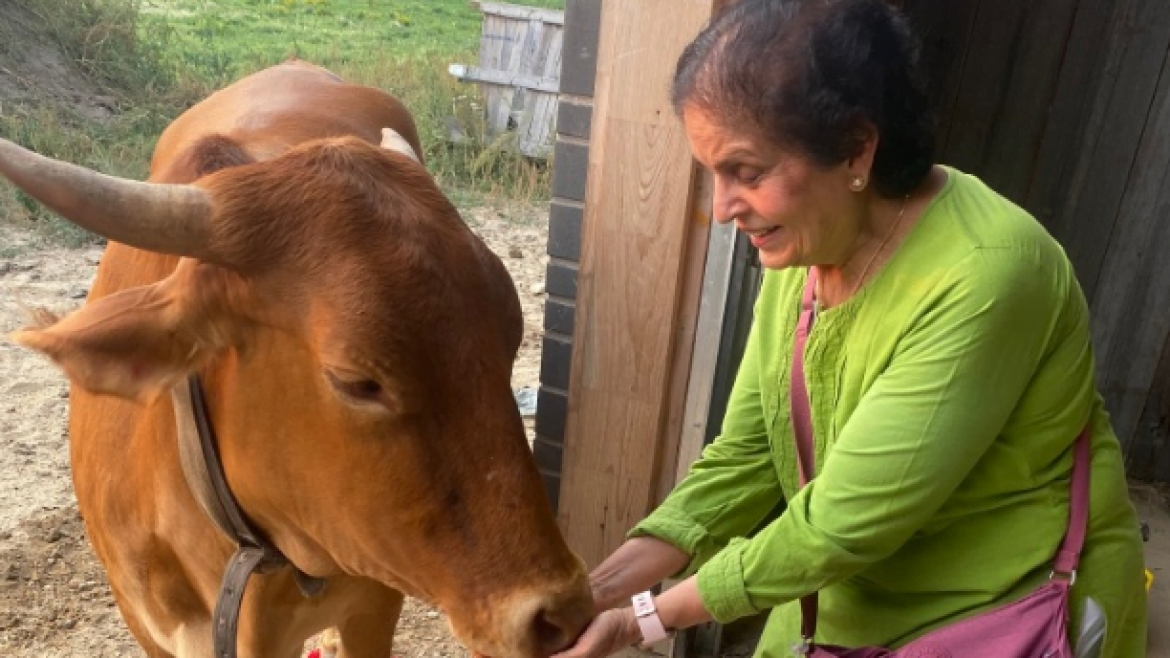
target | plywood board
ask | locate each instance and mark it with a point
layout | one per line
(635, 235)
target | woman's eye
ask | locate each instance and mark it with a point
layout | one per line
(748, 175)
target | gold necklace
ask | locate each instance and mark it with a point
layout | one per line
(873, 258)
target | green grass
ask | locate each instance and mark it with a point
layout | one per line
(157, 57)
(224, 38)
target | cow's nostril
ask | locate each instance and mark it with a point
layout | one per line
(549, 635)
(556, 629)
(550, 621)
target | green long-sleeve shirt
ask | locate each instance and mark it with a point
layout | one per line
(946, 395)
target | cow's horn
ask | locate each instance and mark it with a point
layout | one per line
(173, 219)
(393, 141)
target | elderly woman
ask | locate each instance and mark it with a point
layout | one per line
(949, 367)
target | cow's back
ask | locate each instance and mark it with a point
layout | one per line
(272, 110)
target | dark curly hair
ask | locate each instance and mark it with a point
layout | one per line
(816, 76)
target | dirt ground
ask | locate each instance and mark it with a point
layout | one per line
(54, 600)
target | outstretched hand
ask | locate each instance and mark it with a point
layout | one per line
(609, 632)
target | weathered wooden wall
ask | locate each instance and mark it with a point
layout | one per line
(1062, 106)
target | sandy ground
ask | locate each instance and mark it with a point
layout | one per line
(54, 600)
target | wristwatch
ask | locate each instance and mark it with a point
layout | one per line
(648, 621)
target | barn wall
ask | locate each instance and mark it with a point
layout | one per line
(1063, 107)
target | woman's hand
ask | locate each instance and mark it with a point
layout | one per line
(679, 607)
(609, 632)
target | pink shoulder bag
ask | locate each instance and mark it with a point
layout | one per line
(1032, 627)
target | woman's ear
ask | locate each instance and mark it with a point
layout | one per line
(865, 143)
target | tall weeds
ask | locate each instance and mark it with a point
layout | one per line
(103, 38)
(452, 127)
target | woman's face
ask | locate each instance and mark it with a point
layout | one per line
(795, 212)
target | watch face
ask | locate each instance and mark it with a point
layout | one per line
(643, 604)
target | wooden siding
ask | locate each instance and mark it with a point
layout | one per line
(1063, 107)
(636, 244)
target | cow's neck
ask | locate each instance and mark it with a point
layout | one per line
(199, 456)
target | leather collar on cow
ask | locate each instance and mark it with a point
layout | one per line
(199, 454)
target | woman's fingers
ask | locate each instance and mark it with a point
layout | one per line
(608, 633)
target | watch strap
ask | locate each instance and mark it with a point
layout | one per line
(646, 614)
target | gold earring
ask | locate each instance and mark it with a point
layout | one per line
(857, 184)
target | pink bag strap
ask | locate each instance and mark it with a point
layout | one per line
(1069, 555)
(798, 392)
(802, 427)
(1067, 558)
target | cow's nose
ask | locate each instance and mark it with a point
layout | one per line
(557, 624)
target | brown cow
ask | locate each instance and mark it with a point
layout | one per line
(355, 340)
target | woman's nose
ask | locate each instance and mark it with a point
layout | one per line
(726, 204)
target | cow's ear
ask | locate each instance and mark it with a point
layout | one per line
(140, 342)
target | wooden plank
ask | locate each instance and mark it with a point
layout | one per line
(1066, 130)
(634, 237)
(686, 333)
(553, 53)
(517, 31)
(500, 45)
(520, 12)
(1148, 457)
(982, 92)
(946, 32)
(535, 135)
(531, 48)
(477, 74)
(527, 63)
(1131, 310)
(1030, 84)
(708, 333)
(493, 43)
(536, 129)
(1138, 43)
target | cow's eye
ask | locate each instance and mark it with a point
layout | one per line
(366, 390)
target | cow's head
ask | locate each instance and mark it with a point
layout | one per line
(356, 340)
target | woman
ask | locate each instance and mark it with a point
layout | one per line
(949, 367)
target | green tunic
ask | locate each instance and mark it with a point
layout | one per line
(946, 397)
